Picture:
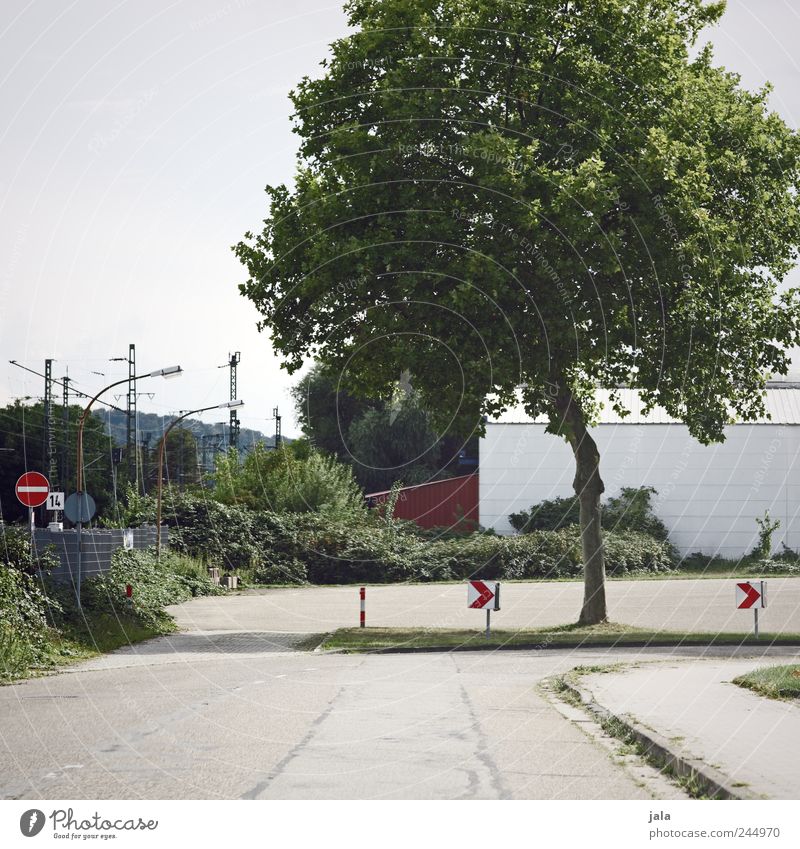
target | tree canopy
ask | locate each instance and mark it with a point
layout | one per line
(530, 200)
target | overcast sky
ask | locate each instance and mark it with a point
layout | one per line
(135, 141)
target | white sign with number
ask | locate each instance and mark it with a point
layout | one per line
(55, 500)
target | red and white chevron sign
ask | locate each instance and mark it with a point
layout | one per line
(750, 594)
(483, 594)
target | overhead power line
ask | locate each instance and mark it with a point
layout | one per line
(71, 386)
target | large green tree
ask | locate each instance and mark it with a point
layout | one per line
(531, 200)
(326, 409)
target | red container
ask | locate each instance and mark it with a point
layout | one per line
(436, 504)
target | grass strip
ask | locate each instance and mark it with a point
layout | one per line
(564, 636)
(774, 682)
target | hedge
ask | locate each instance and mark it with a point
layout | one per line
(296, 548)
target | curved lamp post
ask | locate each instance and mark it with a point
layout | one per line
(227, 405)
(170, 371)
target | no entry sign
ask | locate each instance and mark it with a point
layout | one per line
(32, 489)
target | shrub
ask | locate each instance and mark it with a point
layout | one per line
(766, 528)
(24, 607)
(293, 479)
(552, 554)
(628, 511)
(23, 621)
(155, 583)
(549, 515)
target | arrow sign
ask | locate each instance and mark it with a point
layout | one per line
(483, 594)
(32, 489)
(750, 594)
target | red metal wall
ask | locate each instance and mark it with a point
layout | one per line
(435, 504)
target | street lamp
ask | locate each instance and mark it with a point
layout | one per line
(170, 371)
(228, 405)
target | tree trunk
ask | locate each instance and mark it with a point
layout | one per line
(588, 487)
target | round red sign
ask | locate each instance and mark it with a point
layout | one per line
(32, 489)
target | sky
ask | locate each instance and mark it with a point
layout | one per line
(136, 141)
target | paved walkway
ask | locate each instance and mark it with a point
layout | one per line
(750, 739)
(676, 604)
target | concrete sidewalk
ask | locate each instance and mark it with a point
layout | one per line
(698, 715)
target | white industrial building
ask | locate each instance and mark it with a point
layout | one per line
(708, 496)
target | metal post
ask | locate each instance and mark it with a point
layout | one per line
(80, 547)
(233, 435)
(755, 620)
(363, 594)
(31, 530)
(488, 622)
(131, 434)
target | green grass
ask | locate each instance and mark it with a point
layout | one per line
(571, 636)
(99, 633)
(774, 682)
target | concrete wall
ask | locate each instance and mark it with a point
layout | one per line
(708, 496)
(97, 548)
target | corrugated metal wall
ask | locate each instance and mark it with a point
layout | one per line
(436, 504)
(708, 496)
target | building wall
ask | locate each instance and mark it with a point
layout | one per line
(708, 496)
(435, 504)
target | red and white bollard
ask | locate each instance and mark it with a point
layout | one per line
(363, 607)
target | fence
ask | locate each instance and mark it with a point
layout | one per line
(97, 547)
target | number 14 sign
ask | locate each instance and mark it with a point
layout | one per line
(55, 501)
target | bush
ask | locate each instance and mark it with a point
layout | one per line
(293, 479)
(23, 622)
(320, 548)
(628, 511)
(549, 515)
(552, 554)
(24, 607)
(155, 583)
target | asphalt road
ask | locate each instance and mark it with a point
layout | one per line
(228, 716)
(229, 710)
(685, 605)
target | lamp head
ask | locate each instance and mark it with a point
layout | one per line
(231, 404)
(168, 372)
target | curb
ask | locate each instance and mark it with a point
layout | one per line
(715, 784)
(543, 646)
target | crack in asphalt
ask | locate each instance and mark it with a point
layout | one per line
(294, 752)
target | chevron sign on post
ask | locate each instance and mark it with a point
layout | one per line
(751, 595)
(484, 595)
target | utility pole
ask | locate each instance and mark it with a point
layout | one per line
(233, 435)
(65, 444)
(145, 459)
(131, 421)
(277, 428)
(131, 437)
(49, 459)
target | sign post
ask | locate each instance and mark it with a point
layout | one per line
(79, 508)
(751, 595)
(484, 595)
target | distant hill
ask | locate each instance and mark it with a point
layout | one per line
(151, 426)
